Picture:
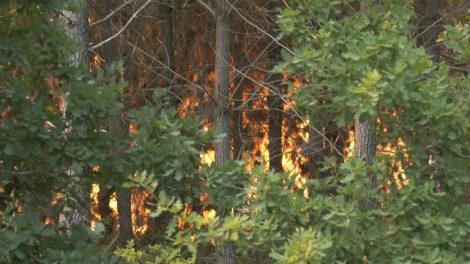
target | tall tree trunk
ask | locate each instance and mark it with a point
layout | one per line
(428, 27)
(275, 103)
(364, 136)
(316, 150)
(161, 75)
(104, 196)
(76, 192)
(120, 127)
(237, 133)
(365, 148)
(77, 29)
(124, 215)
(364, 141)
(222, 115)
(237, 112)
(227, 254)
(428, 33)
(201, 92)
(158, 225)
(275, 123)
(119, 124)
(167, 8)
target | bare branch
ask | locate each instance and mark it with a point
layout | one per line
(206, 6)
(113, 12)
(262, 31)
(123, 28)
(177, 75)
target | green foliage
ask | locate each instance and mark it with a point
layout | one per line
(39, 145)
(165, 146)
(415, 224)
(304, 246)
(357, 64)
(25, 239)
(157, 254)
(456, 38)
(362, 64)
(224, 184)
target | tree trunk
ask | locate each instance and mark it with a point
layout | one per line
(428, 27)
(104, 196)
(237, 133)
(275, 124)
(167, 8)
(237, 113)
(120, 126)
(222, 114)
(428, 33)
(76, 192)
(227, 254)
(316, 151)
(77, 29)
(201, 92)
(124, 215)
(275, 104)
(364, 135)
(365, 148)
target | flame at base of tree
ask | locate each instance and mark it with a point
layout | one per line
(139, 209)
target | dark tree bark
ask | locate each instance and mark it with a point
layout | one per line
(222, 115)
(161, 74)
(237, 112)
(365, 145)
(201, 92)
(364, 137)
(124, 216)
(365, 148)
(222, 66)
(429, 26)
(237, 133)
(227, 254)
(427, 34)
(104, 196)
(275, 104)
(275, 123)
(316, 151)
(119, 126)
(326, 140)
(167, 8)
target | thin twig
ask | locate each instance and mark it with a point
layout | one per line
(206, 6)
(123, 28)
(262, 31)
(113, 12)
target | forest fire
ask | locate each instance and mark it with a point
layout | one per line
(254, 128)
(337, 131)
(139, 209)
(249, 98)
